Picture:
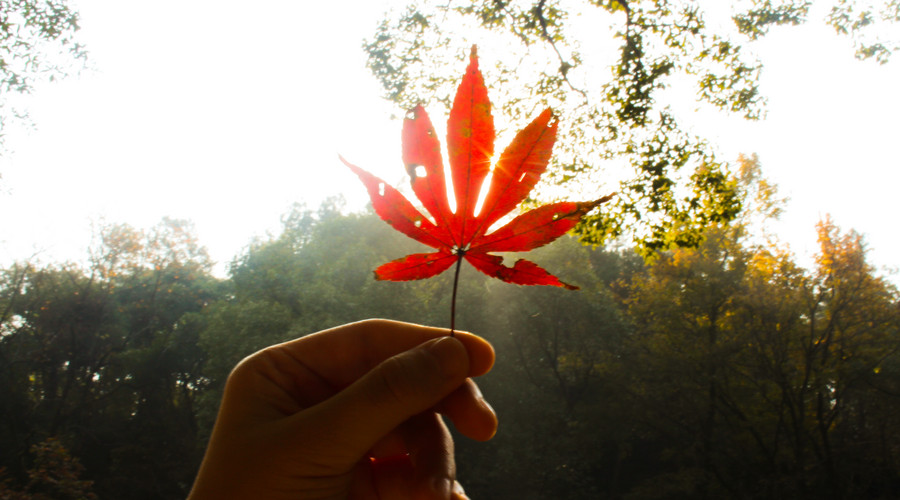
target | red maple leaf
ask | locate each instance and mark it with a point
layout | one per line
(463, 234)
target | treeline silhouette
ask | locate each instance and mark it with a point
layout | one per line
(724, 371)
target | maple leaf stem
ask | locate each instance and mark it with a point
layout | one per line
(459, 259)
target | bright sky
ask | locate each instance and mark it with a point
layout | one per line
(226, 114)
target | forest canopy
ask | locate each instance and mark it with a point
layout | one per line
(613, 69)
(722, 371)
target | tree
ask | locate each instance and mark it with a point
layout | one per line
(869, 25)
(98, 358)
(611, 70)
(759, 379)
(37, 43)
(681, 309)
(853, 321)
(54, 475)
(554, 383)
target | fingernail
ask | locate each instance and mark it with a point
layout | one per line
(458, 493)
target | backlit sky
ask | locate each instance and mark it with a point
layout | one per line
(226, 113)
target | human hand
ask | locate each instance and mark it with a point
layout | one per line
(350, 412)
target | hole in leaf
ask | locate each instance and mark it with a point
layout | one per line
(415, 171)
(418, 223)
(522, 177)
(380, 189)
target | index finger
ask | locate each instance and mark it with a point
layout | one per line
(345, 353)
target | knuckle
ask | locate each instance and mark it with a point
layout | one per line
(399, 379)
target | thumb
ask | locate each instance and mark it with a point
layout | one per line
(392, 392)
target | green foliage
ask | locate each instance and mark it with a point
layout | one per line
(37, 43)
(749, 363)
(757, 20)
(552, 384)
(608, 68)
(721, 371)
(54, 475)
(96, 357)
(871, 25)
